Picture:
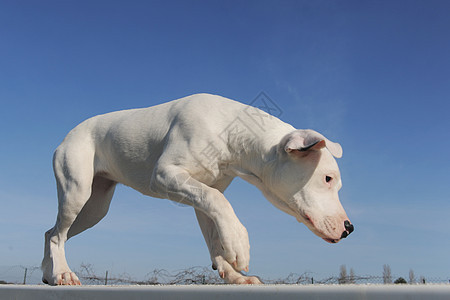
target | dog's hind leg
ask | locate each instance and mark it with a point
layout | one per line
(96, 207)
(74, 173)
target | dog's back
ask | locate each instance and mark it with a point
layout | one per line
(126, 144)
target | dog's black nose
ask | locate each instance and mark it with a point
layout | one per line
(348, 229)
(348, 226)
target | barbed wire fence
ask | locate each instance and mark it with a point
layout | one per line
(20, 274)
(194, 275)
(200, 275)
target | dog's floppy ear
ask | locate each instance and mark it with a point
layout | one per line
(306, 140)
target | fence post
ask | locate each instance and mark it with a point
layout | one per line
(106, 278)
(25, 276)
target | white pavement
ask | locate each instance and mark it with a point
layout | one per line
(219, 292)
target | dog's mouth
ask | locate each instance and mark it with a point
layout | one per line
(331, 241)
(311, 224)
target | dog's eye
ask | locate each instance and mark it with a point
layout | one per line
(328, 179)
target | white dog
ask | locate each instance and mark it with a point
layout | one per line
(189, 150)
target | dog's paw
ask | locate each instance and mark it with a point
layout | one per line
(66, 278)
(246, 280)
(230, 275)
(235, 246)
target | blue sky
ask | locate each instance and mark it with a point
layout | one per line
(371, 75)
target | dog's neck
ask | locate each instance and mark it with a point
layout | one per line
(255, 149)
(258, 167)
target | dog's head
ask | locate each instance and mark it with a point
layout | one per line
(304, 182)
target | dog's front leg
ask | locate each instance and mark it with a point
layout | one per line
(176, 184)
(226, 271)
